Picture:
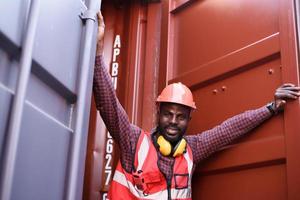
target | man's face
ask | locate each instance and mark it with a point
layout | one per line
(173, 121)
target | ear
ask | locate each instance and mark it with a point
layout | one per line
(157, 108)
(157, 112)
(190, 114)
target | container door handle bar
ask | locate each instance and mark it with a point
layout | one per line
(75, 172)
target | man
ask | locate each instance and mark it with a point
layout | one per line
(160, 164)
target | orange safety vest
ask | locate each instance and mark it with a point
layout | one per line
(147, 182)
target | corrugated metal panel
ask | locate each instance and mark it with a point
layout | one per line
(57, 44)
(234, 54)
(13, 19)
(51, 130)
(42, 157)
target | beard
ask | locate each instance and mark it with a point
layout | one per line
(171, 133)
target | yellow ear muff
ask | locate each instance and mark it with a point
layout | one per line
(180, 148)
(165, 147)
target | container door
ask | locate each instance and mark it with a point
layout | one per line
(233, 55)
(44, 147)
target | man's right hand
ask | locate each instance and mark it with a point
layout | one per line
(100, 36)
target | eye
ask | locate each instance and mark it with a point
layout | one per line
(182, 117)
(167, 114)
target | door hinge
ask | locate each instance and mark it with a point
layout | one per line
(88, 14)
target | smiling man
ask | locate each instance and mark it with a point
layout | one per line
(173, 121)
(160, 164)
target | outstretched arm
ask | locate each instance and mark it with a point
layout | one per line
(112, 113)
(208, 142)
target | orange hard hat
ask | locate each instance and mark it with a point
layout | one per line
(177, 93)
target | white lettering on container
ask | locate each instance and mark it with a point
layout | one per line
(109, 141)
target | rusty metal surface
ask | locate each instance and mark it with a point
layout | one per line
(234, 62)
(102, 154)
(257, 183)
(138, 26)
(136, 62)
(290, 73)
(95, 156)
(163, 47)
(212, 29)
(150, 86)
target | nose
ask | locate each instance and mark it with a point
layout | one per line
(174, 120)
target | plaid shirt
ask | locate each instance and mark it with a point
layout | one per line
(126, 134)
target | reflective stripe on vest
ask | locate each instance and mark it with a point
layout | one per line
(153, 184)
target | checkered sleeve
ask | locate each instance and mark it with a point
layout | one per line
(114, 116)
(208, 142)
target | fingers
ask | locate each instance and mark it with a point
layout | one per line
(101, 29)
(279, 104)
(296, 89)
(282, 103)
(286, 95)
(100, 36)
(100, 16)
(287, 85)
(287, 92)
(100, 19)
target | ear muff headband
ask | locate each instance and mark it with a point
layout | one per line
(165, 147)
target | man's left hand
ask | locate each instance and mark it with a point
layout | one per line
(287, 91)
